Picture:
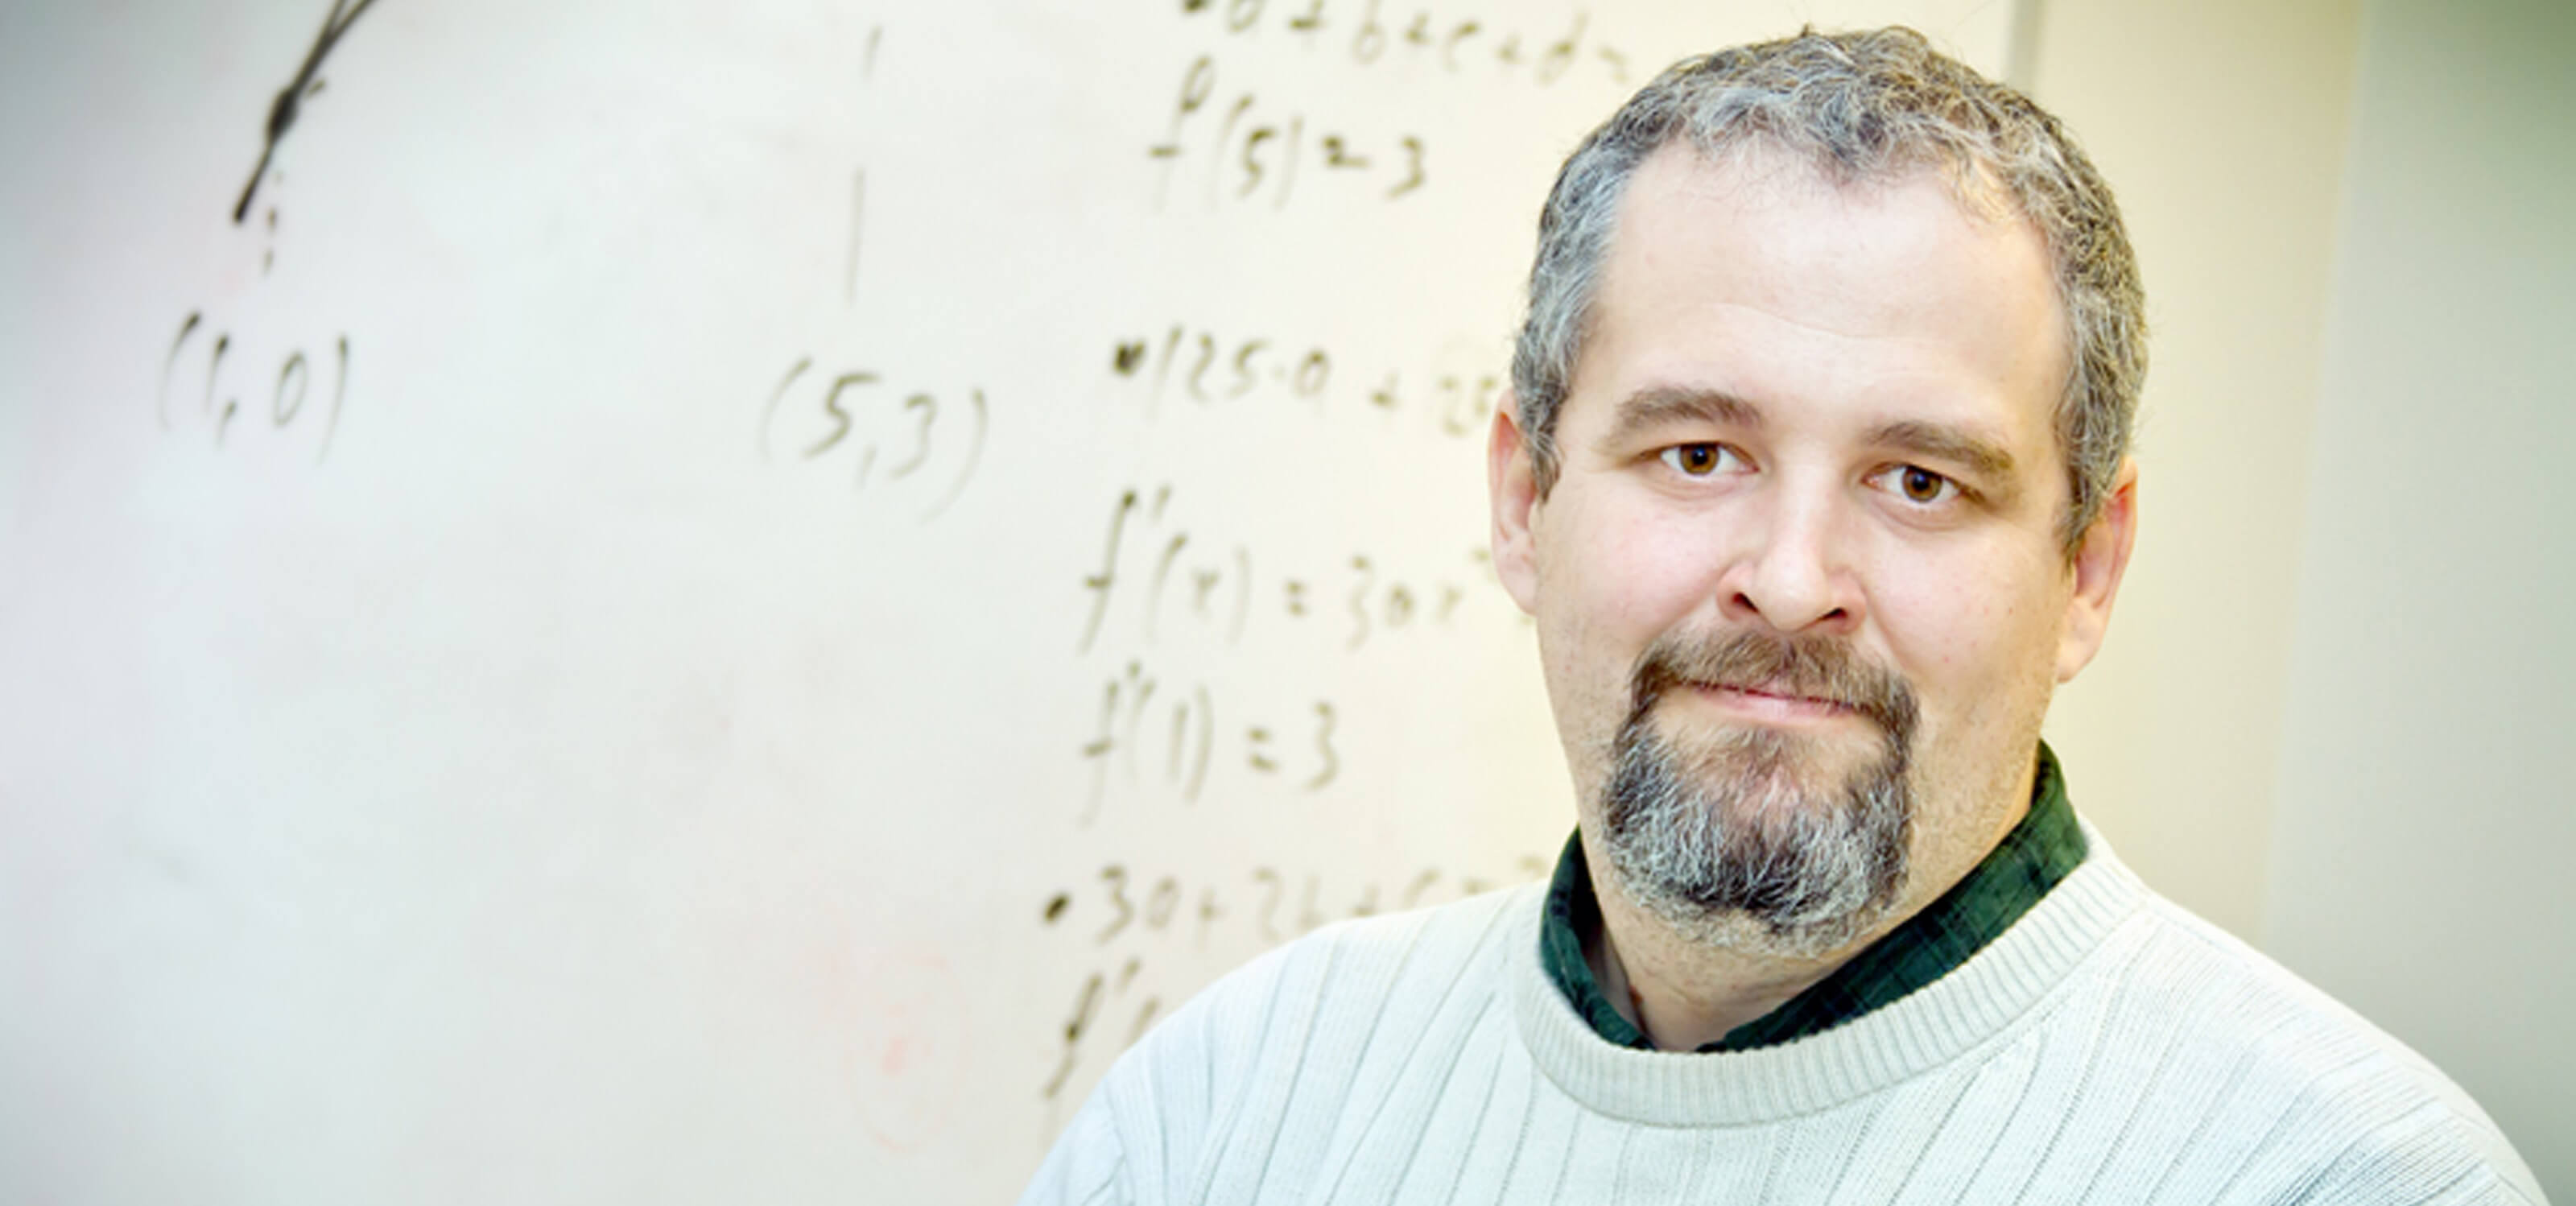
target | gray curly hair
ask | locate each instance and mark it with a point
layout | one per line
(1862, 107)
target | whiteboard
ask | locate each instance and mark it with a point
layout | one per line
(655, 603)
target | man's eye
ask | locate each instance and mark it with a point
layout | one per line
(1697, 460)
(1921, 486)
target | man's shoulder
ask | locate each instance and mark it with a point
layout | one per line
(1351, 1009)
(2231, 993)
(2260, 1046)
(1355, 970)
(1341, 997)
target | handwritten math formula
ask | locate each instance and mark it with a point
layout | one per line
(1158, 578)
(1154, 736)
(1248, 153)
(882, 432)
(858, 423)
(1225, 145)
(1127, 920)
(238, 374)
(1216, 666)
(1205, 370)
(1374, 34)
(286, 394)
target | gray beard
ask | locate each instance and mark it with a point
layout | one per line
(1735, 845)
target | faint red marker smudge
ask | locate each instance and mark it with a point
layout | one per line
(905, 1048)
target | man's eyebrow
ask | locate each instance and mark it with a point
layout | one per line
(1982, 455)
(1670, 405)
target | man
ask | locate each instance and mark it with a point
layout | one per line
(1816, 483)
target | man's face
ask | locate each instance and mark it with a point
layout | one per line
(1799, 595)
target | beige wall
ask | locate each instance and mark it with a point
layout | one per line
(2222, 126)
(2330, 711)
(2425, 822)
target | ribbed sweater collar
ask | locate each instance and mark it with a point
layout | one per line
(1971, 1007)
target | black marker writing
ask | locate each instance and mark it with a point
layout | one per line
(282, 111)
(288, 391)
(851, 414)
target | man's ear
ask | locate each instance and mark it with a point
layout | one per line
(2096, 567)
(1512, 481)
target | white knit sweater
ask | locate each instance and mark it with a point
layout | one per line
(2110, 1047)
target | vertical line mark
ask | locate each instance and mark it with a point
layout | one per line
(1242, 593)
(1207, 742)
(339, 397)
(214, 365)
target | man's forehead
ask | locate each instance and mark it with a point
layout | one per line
(1755, 277)
(1898, 258)
(1756, 166)
(1683, 194)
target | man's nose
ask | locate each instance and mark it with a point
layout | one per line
(1790, 568)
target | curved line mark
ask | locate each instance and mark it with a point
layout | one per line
(161, 404)
(921, 443)
(1162, 571)
(1136, 714)
(303, 374)
(1324, 743)
(1099, 748)
(973, 455)
(1107, 579)
(832, 406)
(769, 415)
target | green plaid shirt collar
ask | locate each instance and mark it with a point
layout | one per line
(2040, 851)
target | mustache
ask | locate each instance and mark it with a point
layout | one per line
(1825, 668)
